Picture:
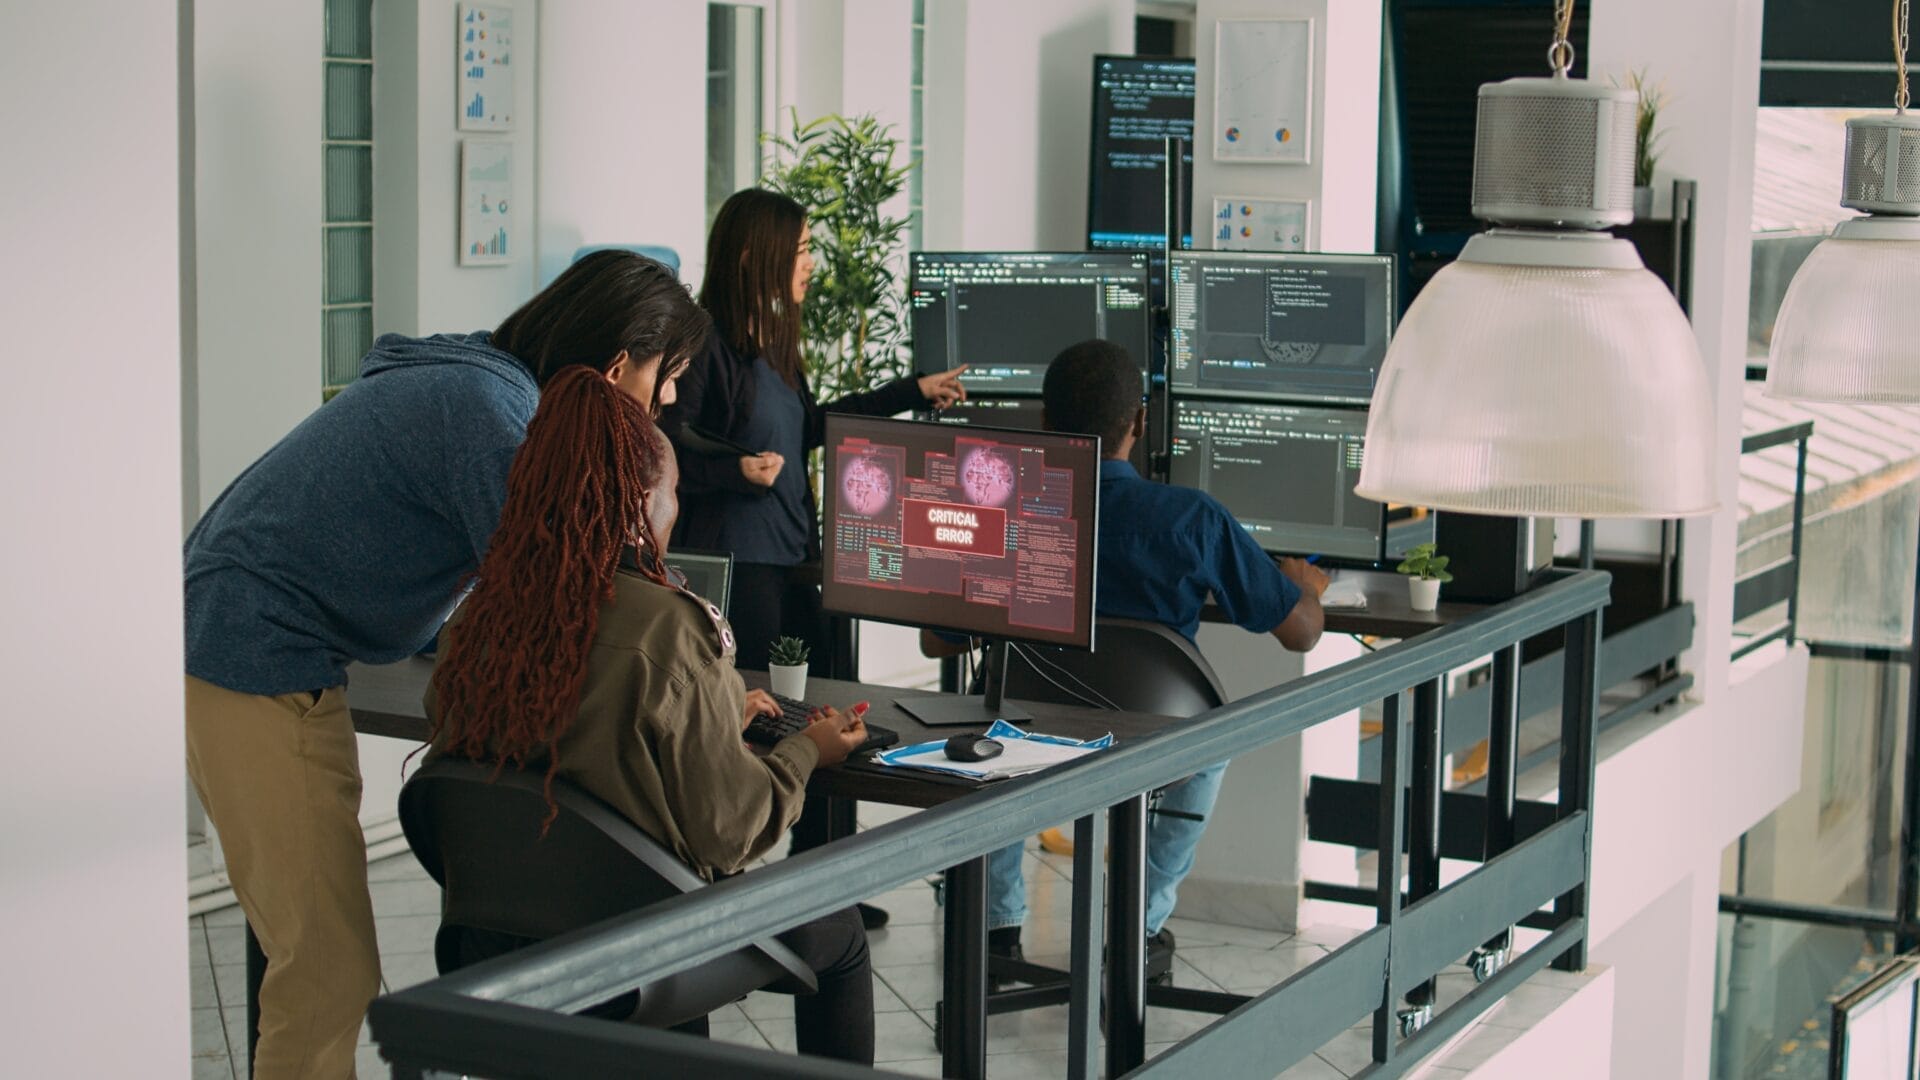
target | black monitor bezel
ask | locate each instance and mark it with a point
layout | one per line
(1385, 262)
(829, 498)
(1146, 287)
(1093, 146)
(1350, 562)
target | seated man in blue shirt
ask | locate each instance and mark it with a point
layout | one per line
(1164, 551)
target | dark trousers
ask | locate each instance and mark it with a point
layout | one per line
(837, 1021)
(765, 604)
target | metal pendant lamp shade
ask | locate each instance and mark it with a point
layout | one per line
(1546, 372)
(1849, 327)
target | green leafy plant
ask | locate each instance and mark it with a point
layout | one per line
(1423, 563)
(842, 169)
(1646, 140)
(788, 651)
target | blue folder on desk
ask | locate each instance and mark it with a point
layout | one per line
(932, 756)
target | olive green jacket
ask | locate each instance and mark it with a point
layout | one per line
(658, 735)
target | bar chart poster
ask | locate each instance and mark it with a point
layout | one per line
(486, 202)
(483, 56)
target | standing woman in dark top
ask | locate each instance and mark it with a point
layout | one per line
(749, 388)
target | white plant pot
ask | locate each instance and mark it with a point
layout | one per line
(789, 680)
(1423, 594)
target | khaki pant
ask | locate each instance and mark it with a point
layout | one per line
(280, 778)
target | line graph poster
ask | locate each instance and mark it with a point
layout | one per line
(1263, 90)
(483, 57)
(486, 202)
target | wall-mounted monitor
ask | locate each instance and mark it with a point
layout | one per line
(1278, 327)
(1009, 313)
(1138, 101)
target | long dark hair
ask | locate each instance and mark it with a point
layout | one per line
(606, 302)
(508, 684)
(748, 288)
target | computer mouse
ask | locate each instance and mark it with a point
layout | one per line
(972, 748)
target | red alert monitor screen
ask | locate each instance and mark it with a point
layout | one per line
(985, 531)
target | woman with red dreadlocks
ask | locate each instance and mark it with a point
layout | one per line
(576, 655)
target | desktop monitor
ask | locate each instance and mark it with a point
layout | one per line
(986, 532)
(1285, 471)
(1138, 101)
(1007, 314)
(709, 574)
(1278, 327)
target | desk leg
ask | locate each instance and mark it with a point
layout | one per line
(1127, 937)
(1083, 1008)
(1423, 836)
(963, 1005)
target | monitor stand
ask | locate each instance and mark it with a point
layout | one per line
(969, 710)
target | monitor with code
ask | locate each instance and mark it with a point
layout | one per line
(1138, 101)
(1008, 314)
(1278, 327)
(1020, 414)
(982, 531)
(1285, 471)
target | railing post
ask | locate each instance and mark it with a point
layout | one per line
(1503, 757)
(1127, 937)
(1089, 902)
(1578, 708)
(963, 1032)
(1387, 880)
(1423, 846)
(1799, 515)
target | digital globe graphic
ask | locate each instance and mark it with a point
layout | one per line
(866, 486)
(986, 477)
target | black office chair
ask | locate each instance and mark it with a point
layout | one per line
(1135, 666)
(505, 886)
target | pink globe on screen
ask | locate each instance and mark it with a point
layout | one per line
(867, 486)
(986, 477)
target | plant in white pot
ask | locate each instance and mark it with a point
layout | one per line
(1426, 571)
(787, 667)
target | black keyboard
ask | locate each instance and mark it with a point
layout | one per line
(767, 729)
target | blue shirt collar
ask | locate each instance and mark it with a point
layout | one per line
(1117, 468)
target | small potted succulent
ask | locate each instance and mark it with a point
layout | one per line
(787, 667)
(1426, 572)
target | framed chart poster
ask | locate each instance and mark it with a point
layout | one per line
(486, 202)
(483, 56)
(1248, 223)
(1263, 90)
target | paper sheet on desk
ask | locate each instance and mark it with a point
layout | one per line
(1343, 593)
(1022, 753)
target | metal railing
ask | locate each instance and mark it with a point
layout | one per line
(1779, 580)
(508, 1017)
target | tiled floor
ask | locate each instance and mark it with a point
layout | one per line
(906, 963)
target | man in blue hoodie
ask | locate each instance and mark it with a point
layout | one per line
(351, 540)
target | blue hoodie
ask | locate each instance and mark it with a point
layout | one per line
(351, 538)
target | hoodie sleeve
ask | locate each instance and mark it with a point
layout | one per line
(699, 402)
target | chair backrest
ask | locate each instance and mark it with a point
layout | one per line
(505, 885)
(655, 252)
(1136, 666)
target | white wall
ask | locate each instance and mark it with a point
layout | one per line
(1016, 180)
(93, 898)
(419, 285)
(257, 177)
(623, 128)
(1341, 175)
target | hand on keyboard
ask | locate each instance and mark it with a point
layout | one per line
(759, 703)
(769, 728)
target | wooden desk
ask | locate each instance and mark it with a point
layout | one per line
(1387, 614)
(386, 700)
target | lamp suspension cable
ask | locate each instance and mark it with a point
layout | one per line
(1560, 54)
(1900, 97)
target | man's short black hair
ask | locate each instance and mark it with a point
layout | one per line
(1093, 388)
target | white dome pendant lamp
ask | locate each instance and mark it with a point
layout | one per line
(1546, 372)
(1849, 327)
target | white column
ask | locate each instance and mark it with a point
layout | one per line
(94, 895)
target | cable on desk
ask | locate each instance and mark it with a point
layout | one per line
(1087, 695)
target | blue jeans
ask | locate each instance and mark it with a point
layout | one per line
(1170, 845)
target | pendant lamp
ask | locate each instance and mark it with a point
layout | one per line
(1546, 371)
(1849, 327)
